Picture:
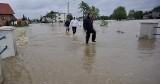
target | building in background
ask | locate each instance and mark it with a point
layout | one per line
(60, 17)
(152, 15)
(6, 14)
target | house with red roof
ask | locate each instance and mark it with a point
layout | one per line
(6, 14)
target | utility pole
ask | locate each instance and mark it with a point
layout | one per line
(68, 7)
(82, 10)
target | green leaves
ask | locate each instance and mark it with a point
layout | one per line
(138, 14)
(119, 13)
(131, 14)
(69, 16)
(51, 14)
(85, 8)
(156, 9)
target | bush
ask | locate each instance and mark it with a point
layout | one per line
(22, 24)
(103, 23)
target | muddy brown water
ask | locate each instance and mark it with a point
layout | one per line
(54, 57)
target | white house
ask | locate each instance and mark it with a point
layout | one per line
(60, 17)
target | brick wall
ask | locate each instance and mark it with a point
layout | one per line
(4, 18)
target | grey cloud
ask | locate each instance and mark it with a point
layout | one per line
(36, 8)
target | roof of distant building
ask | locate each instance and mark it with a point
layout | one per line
(18, 20)
(5, 9)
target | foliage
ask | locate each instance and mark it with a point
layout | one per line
(119, 13)
(103, 17)
(51, 15)
(69, 16)
(21, 24)
(85, 8)
(138, 15)
(156, 9)
(111, 16)
(95, 12)
(24, 18)
(131, 14)
(104, 23)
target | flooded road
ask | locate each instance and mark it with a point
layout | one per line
(54, 57)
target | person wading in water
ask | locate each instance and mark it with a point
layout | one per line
(74, 24)
(88, 27)
(67, 23)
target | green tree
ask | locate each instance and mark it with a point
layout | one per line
(95, 12)
(104, 17)
(69, 16)
(52, 15)
(24, 17)
(131, 14)
(111, 16)
(156, 9)
(138, 15)
(119, 13)
(84, 7)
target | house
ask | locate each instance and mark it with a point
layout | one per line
(6, 14)
(60, 17)
(152, 15)
(45, 19)
(156, 15)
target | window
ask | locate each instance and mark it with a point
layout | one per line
(3, 18)
(59, 17)
(59, 14)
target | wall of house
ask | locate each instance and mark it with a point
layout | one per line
(156, 15)
(60, 17)
(4, 18)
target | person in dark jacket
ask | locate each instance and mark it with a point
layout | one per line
(67, 23)
(88, 27)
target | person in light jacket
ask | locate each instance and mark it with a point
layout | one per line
(73, 24)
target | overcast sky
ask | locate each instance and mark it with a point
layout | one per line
(37, 8)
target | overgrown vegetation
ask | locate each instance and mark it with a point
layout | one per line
(21, 24)
(104, 23)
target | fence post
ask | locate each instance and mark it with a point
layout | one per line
(147, 30)
(7, 38)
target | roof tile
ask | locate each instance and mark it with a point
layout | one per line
(5, 9)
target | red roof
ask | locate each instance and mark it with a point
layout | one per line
(5, 9)
(18, 20)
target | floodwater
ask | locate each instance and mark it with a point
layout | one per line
(54, 57)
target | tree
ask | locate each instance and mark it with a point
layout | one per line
(29, 20)
(95, 12)
(111, 16)
(156, 9)
(138, 15)
(119, 13)
(131, 14)
(24, 17)
(85, 8)
(51, 15)
(69, 16)
(103, 17)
